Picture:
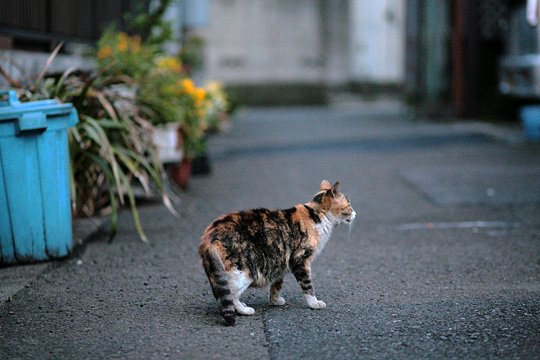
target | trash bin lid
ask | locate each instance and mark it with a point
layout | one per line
(12, 108)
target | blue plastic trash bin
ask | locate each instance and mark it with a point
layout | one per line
(35, 206)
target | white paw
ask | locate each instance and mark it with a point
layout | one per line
(317, 304)
(278, 301)
(246, 310)
(242, 309)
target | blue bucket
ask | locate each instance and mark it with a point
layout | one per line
(530, 120)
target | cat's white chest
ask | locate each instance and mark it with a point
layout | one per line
(324, 228)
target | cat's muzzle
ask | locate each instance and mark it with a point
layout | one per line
(350, 219)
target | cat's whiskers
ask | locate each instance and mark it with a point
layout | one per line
(351, 226)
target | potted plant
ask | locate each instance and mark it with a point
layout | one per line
(166, 96)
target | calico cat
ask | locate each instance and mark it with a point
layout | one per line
(255, 248)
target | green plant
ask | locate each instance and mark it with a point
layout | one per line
(111, 149)
(149, 23)
(191, 54)
(121, 54)
(164, 93)
(218, 106)
(169, 98)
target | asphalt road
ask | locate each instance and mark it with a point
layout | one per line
(443, 260)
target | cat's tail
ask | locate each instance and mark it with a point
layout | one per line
(218, 278)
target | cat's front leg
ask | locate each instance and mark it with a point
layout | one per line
(302, 273)
(275, 298)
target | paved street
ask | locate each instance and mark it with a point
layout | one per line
(443, 260)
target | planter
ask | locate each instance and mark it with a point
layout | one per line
(200, 165)
(168, 142)
(180, 173)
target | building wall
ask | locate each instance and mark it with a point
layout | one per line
(333, 42)
(378, 41)
(272, 41)
(335, 39)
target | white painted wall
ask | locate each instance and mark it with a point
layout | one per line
(377, 40)
(306, 41)
(271, 41)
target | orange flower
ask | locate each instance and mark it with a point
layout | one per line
(123, 42)
(105, 52)
(188, 86)
(199, 94)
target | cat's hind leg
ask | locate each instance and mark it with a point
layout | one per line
(219, 281)
(275, 289)
(239, 282)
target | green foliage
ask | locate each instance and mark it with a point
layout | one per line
(191, 54)
(164, 92)
(149, 23)
(121, 54)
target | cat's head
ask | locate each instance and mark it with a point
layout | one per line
(334, 203)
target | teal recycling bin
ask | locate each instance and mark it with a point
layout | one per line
(35, 205)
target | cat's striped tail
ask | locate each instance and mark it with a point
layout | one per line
(217, 276)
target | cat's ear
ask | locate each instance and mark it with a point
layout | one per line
(325, 185)
(335, 188)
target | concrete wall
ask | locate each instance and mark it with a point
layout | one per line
(335, 38)
(377, 41)
(271, 41)
(330, 42)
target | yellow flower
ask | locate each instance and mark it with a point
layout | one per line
(105, 52)
(188, 86)
(170, 63)
(199, 94)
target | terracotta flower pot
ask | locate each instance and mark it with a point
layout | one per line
(181, 173)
